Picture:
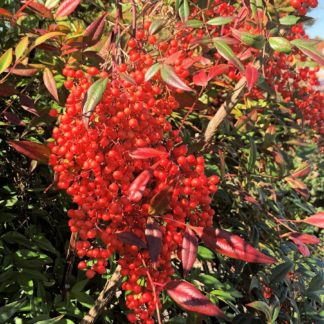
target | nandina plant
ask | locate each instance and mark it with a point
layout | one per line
(147, 89)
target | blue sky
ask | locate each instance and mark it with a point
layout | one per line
(318, 28)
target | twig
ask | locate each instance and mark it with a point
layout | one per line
(133, 18)
(112, 284)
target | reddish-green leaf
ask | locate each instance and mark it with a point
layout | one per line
(152, 71)
(95, 30)
(263, 307)
(35, 151)
(169, 76)
(303, 249)
(231, 245)
(5, 60)
(187, 296)
(138, 186)
(50, 83)
(42, 39)
(308, 47)
(148, 153)
(92, 98)
(189, 250)
(225, 51)
(131, 239)
(160, 201)
(302, 171)
(21, 47)
(40, 9)
(280, 44)
(5, 13)
(251, 75)
(156, 26)
(315, 220)
(67, 7)
(25, 71)
(153, 236)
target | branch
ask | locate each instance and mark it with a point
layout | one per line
(112, 284)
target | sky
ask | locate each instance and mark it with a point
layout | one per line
(317, 30)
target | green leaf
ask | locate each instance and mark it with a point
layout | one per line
(252, 154)
(280, 44)
(209, 279)
(184, 10)
(316, 283)
(289, 20)
(13, 237)
(169, 76)
(21, 47)
(44, 244)
(262, 307)
(152, 71)
(5, 60)
(225, 51)
(205, 254)
(280, 271)
(156, 26)
(7, 311)
(92, 98)
(256, 41)
(308, 47)
(194, 23)
(42, 39)
(219, 21)
(51, 320)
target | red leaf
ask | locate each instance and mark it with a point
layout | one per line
(6, 13)
(154, 240)
(303, 249)
(147, 153)
(305, 238)
(191, 299)
(252, 75)
(160, 201)
(315, 220)
(50, 83)
(7, 90)
(231, 245)
(13, 118)
(28, 104)
(200, 79)
(35, 151)
(170, 77)
(189, 250)
(24, 71)
(67, 7)
(216, 70)
(138, 186)
(131, 239)
(41, 9)
(94, 31)
(302, 171)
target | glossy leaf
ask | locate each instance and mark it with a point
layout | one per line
(153, 236)
(219, 21)
(308, 47)
(92, 98)
(315, 220)
(131, 239)
(95, 30)
(152, 71)
(147, 153)
(138, 186)
(216, 70)
(169, 76)
(289, 20)
(306, 238)
(231, 245)
(40, 9)
(160, 201)
(280, 44)
(25, 72)
(184, 10)
(5, 13)
(50, 4)
(42, 39)
(249, 39)
(5, 60)
(303, 170)
(187, 296)
(194, 23)
(303, 249)
(21, 47)
(50, 83)
(263, 307)
(200, 79)
(189, 250)
(226, 52)
(67, 7)
(35, 151)
(251, 75)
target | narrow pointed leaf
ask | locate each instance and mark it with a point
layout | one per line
(187, 296)
(303, 249)
(315, 220)
(26, 71)
(169, 76)
(306, 238)
(50, 4)
(40, 9)
(184, 10)
(138, 186)
(231, 245)
(189, 250)
(160, 201)
(5, 60)
(5, 13)
(216, 70)
(219, 21)
(131, 239)
(261, 306)
(280, 44)
(280, 272)
(50, 83)
(251, 75)
(156, 26)
(21, 47)
(194, 23)
(308, 47)
(147, 153)
(95, 30)
(302, 171)
(42, 39)
(92, 98)
(152, 71)
(153, 236)
(226, 52)
(256, 41)
(35, 151)
(67, 7)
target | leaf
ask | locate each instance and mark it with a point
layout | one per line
(226, 52)
(156, 26)
(138, 186)
(194, 23)
(152, 71)
(148, 153)
(184, 10)
(251, 75)
(280, 272)
(131, 239)
(95, 30)
(171, 78)
(219, 21)
(200, 78)
(27, 71)
(66, 8)
(7, 311)
(261, 306)
(5, 13)
(306, 238)
(216, 70)
(253, 40)
(50, 83)
(5, 60)
(189, 250)
(205, 253)
(303, 170)
(317, 282)
(153, 236)
(42, 39)
(50, 4)
(289, 20)
(280, 44)
(40, 9)
(21, 47)
(191, 299)
(92, 98)
(160, 201)
(35, 151)
(252, 154)
(315, 220)
(52, 320)
(308, 47)
(303, 249)
(231, 245)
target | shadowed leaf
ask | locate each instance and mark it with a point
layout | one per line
(189, 250)
(169, 76)
(153, 236)
(131, 239)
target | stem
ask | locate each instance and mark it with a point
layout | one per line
(133, 18)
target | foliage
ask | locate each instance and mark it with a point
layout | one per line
(236, 83)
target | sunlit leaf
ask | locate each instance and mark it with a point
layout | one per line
(184, 10)
(148, 153)
(219, 21)
(42, 39)
(67, 7)
(251, 75)
(169, 76)
(138, 186)
(152, 71)
(315, 220)
(21, 47)
(280, 44)
(308, 47)
(5, 60)
(50, 83)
